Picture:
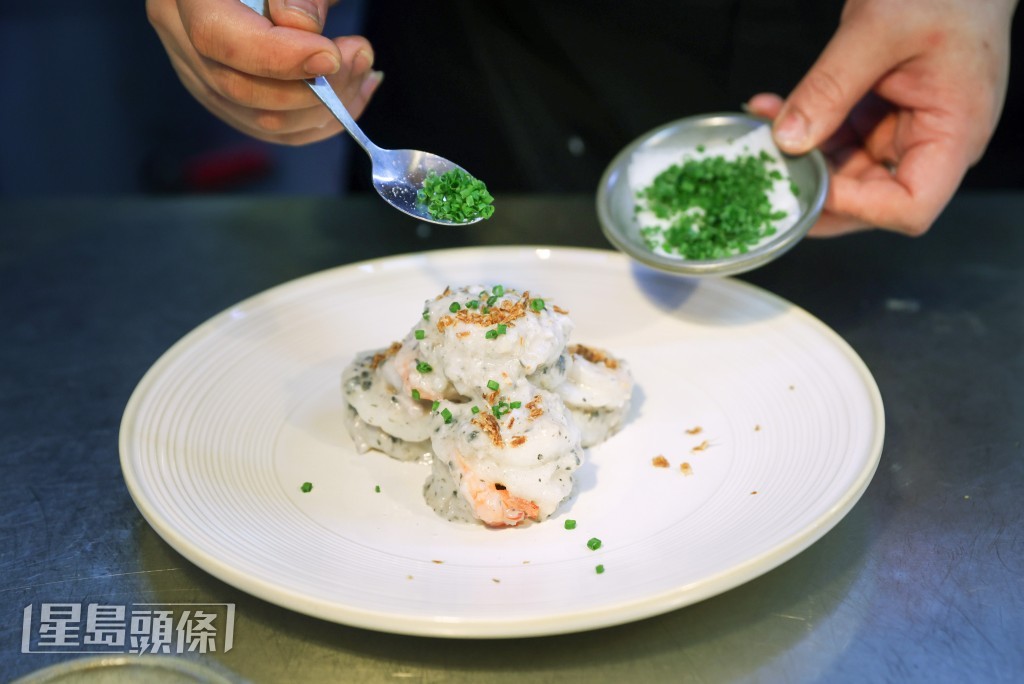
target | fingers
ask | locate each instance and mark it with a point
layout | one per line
(248, 72)
(281, 95)
(923, 183)
(834, 225)
(291, 127)
(765, 105)
(356, 83)
(306, 15)
(229, 33)
(867, 194)
(852, 62)
(875, 182)
(907, 198)
(297, 121)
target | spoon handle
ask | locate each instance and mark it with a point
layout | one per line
(323, 90)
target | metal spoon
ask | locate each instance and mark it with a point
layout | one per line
(397, 174)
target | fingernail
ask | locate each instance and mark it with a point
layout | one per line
(362, 63)
(370, 83)
(791, 132)
(321, 64)
(307, 7)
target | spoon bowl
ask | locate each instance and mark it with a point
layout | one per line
(398, 175)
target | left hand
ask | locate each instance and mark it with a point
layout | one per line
(902, 101)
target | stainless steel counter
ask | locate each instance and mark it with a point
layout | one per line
(922, 581)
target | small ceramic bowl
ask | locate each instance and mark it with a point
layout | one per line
(616, 200)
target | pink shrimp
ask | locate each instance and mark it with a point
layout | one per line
(491, 502)
(401, 371)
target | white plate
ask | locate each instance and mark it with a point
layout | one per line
(220, 434)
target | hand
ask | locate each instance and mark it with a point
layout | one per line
(248, 71)
(902, 101)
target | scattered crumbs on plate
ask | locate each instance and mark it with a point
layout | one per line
(599, 569)
(496, 580)
(659, 461)
(526, 562)
(757, 428)
(686, 468)
(753, 492)
(792, 387)
(701, 447)
(408, 577)
(695, 430)
(306, 487)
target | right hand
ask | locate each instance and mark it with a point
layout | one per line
(903, 100)
(249, 71)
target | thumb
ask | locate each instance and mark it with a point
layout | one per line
(852, 62)
(307, 15)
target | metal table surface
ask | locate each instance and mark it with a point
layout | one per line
(922, 581)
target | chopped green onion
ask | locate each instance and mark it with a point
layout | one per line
(447, 415)
(593, 543)
(455, 196)
(491, 334)
(423, 367)
(502, 328)
(500, 409)
(454, 306)
(570, 524)
(498, 290)
(307, 487)
(433, 407)
(491, 300)
(492, 385)
(416, 394)
(475, 410)
(377, 489)
(537, 304)
(599, 569)
(426, 315)
(515, 404)
(420, 334)
(472, 304)
(711, 207)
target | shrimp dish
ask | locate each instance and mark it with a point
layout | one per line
(487, 390)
